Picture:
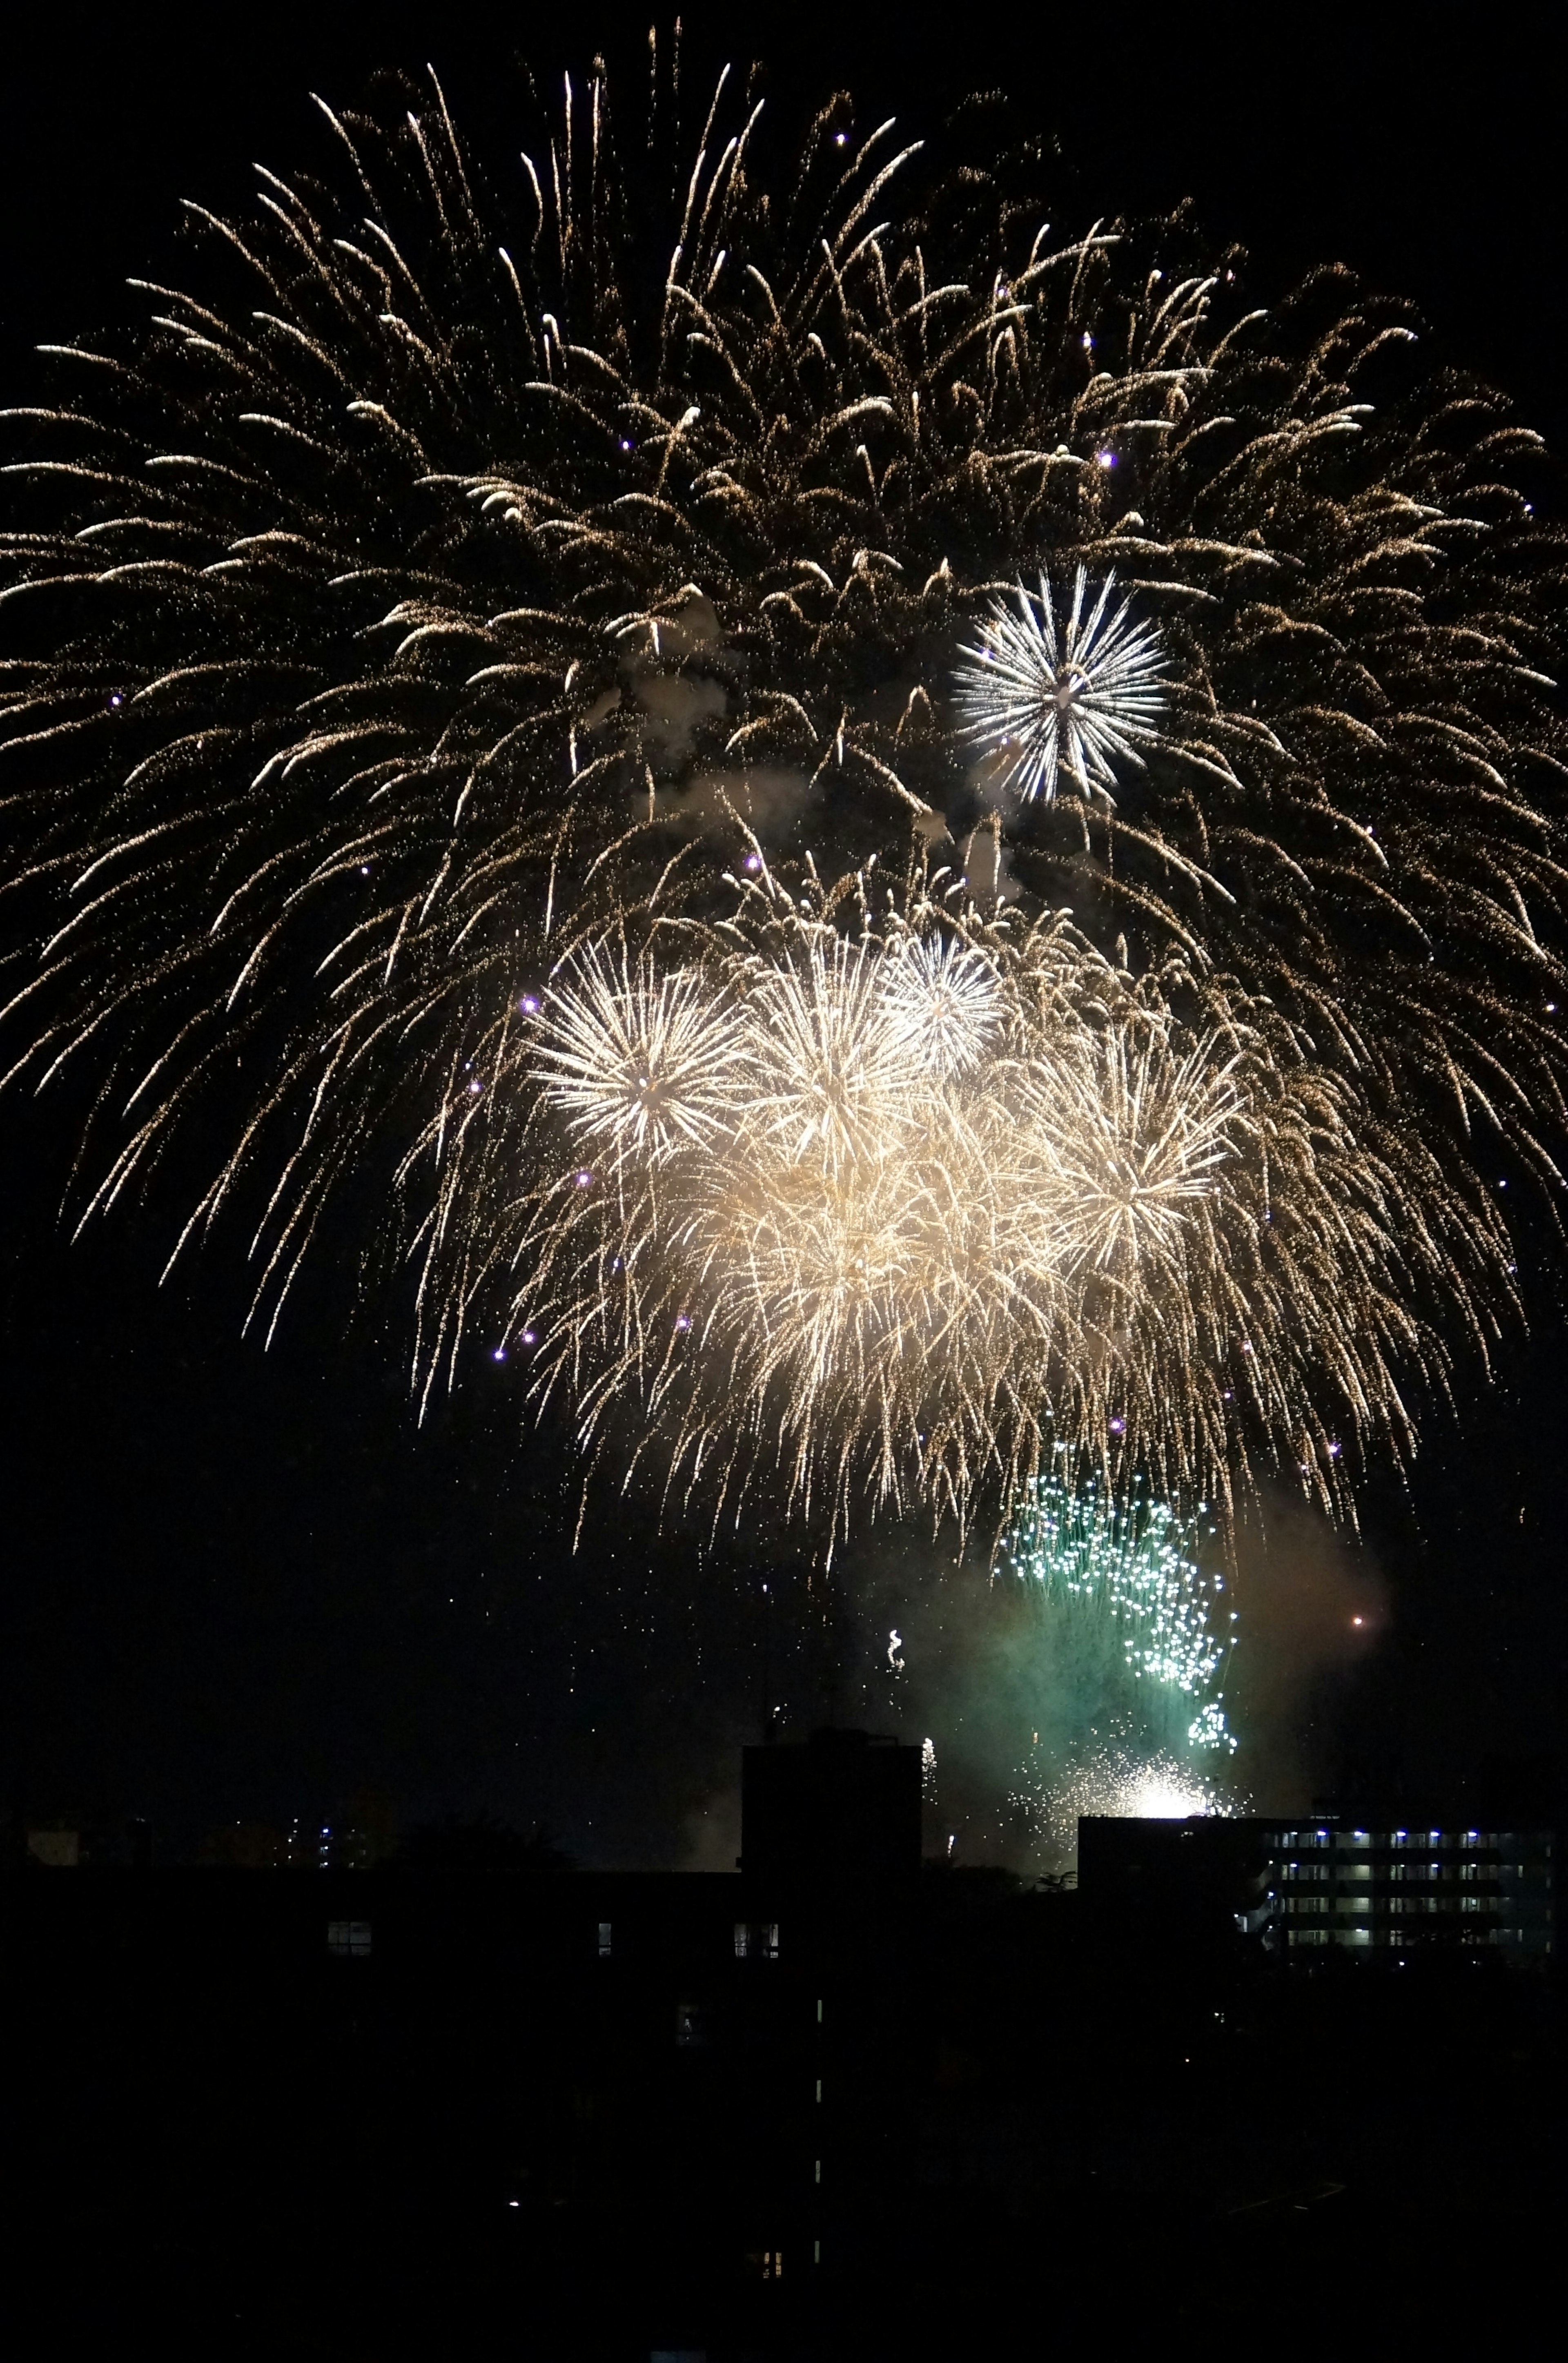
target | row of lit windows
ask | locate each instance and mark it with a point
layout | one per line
(1418, 1838)
(1318, 1906)
(1393, 1938)
(754, 1939)
(1322, 1873)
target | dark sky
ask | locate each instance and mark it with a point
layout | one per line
(244, 1584)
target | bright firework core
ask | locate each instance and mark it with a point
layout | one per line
(1157, 1795)
(1112, 1777)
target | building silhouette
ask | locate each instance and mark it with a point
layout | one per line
(833, 2094)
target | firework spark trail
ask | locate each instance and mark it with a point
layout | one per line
(440, 588)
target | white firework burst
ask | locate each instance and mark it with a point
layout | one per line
(638, 1062)
(940, 1004)
(1140, 1136)
(825, 1059)
(1049, 695)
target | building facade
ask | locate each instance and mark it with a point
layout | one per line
(1374, 1885)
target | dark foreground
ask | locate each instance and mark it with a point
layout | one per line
(442, 2112)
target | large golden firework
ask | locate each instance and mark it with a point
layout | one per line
(413, 624)
(934, 1196)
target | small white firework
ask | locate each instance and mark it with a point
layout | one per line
(940, 1004)
(638, 1061)
(1049, 696)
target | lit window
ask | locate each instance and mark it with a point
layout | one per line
(691, 2027)
(350, 1938)
(743, 1940)
(57, 1849)
(606, 1929)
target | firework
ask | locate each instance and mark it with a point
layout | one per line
(1121, 1661)
(639, 1064)
(1043, 698)
(944, 1196)
(435, 629)
(1115, 1779)
(1122, 1572)
(940, 1006)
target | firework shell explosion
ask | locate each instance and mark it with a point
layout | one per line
(438, 638)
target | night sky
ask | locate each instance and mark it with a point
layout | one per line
(240, 1584)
